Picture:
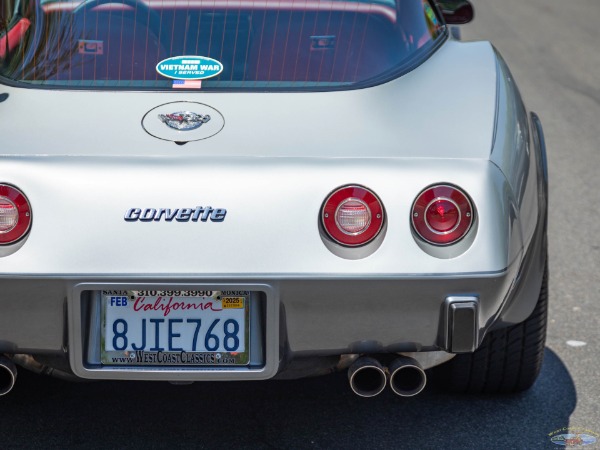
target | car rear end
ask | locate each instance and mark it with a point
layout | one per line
(331, 207)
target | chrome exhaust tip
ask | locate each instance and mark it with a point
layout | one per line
(367, 377)
(407, 377)
(8, 375)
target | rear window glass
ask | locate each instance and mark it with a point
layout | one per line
(213, 44)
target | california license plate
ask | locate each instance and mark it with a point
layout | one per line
(175, 328)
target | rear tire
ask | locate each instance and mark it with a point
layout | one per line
(509, 359)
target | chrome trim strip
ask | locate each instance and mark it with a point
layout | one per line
(251, 278)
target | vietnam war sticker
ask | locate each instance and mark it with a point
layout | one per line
(189, 68)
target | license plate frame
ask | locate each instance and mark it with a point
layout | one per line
(163, 302)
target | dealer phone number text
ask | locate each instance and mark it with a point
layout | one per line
(173, 293)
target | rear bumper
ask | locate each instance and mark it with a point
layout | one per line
(300, 317)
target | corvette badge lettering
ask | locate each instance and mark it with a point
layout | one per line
(200, 213)
(184, 120)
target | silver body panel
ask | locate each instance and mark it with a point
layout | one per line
(389, 120)
(272, 165)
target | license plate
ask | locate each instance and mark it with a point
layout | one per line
(175, 328)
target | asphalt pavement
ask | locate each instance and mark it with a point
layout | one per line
(553, 50)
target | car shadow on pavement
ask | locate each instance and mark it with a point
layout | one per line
(310, 413)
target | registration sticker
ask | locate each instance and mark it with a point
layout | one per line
(232, 302)
(175, 328)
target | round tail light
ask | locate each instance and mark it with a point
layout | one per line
(352, 216)
(442, 214)
(15, 215)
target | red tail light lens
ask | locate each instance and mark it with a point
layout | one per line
(442, 214)
(15, 215)
(352, 216)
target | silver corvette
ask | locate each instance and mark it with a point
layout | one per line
(198, 190)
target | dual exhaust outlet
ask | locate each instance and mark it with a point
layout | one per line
(368, 377)
(8, 375)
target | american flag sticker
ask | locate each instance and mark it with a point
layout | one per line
(187, 84)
